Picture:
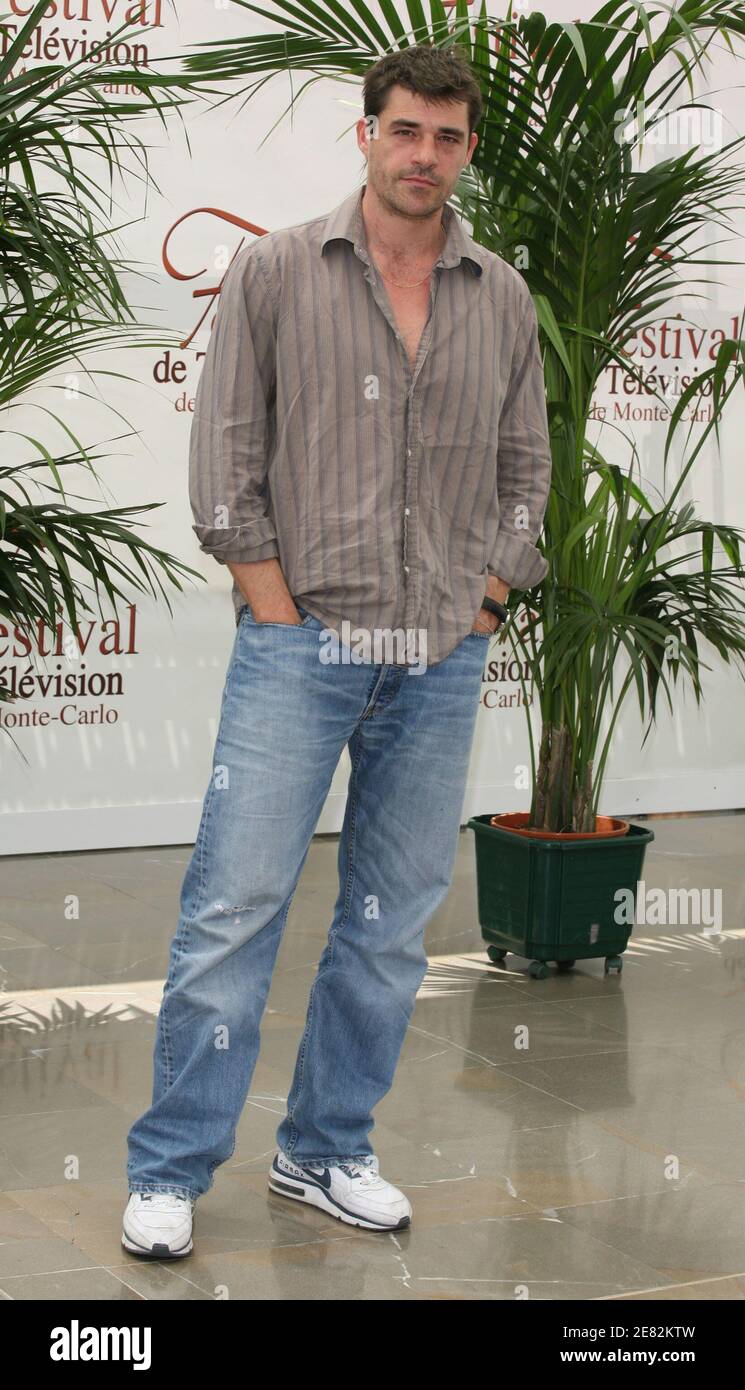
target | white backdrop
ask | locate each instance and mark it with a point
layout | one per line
(113, 747)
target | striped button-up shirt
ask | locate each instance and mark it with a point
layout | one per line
(387, 494)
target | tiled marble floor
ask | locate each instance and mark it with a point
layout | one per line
(605, 1162)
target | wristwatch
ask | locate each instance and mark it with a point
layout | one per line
(491, 606)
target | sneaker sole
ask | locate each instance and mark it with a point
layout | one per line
(316, 1197)
(156, 1252)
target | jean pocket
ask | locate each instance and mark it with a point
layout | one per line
(246, 615)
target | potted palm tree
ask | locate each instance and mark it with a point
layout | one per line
(634, 581)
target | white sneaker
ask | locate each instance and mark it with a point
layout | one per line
(158, 1225)
(352, 1191)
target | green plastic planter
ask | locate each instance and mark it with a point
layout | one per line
(553, 900)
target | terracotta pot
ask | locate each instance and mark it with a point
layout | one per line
(606, 827)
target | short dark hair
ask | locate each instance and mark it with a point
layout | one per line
(439, 74)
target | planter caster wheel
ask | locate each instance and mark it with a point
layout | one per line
(562, 965)
(538, 970)
(613, 965)
(496, 954)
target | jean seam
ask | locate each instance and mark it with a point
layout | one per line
(166, 1049)
(205, 836)
(330, 1160)
(181, 942)
(352, 800)
(178, 1190)
(204, 829)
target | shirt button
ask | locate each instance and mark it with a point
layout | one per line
(406, 567)
(408, 453)
(407, 511)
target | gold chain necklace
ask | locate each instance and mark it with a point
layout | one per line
(419, 282)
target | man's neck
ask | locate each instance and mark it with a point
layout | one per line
(397, 237)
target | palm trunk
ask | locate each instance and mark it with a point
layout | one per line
(560, 802)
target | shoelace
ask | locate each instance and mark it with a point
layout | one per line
(356, 1169)
(163, 1199)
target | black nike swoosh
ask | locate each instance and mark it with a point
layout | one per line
(323, 1179)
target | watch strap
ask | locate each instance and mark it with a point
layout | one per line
(492, 606)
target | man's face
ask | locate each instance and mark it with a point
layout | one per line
(416, 150)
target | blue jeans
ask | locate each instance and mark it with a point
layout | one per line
(285, 719)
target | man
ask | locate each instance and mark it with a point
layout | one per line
(369, 457)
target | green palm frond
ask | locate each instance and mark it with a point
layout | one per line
(65, 136)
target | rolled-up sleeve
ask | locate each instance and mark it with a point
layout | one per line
(231, 425)
(523, 462)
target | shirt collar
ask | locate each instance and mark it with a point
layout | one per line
(346, 222)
